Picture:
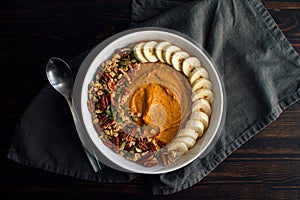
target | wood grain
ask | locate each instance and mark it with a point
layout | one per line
(287, 17)
(266, 167)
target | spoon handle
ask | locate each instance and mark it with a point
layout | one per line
(85, 142)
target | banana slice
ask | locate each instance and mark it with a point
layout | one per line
(178, 58)
(149, 51)
(201, 116)
(198, 73)
(160, 47)
(197, 125)
(201, 83)
(203, 94)
(188, 141)
(178, 146)
(188, 132)
(169, 52)
(202, 105)
(138, 52)
(189, 64)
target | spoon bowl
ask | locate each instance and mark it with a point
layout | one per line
(60, 76)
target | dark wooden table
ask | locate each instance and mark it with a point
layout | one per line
(32, 31)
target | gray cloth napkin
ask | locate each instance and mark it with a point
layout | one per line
(259, 67)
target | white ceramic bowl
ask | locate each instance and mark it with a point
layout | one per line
(104, 51)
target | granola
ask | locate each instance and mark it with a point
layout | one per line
(112, 119)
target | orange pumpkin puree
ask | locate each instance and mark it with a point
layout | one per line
(159, 106)
(161, 96)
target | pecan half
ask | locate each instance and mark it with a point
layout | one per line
(142, 143)
(148, 159)
(104, 102)
(150, 163)
(122, 136)
(116, 141)
(108, 77)
(112, 101)
(107, 143)
(161, 143)
(133, 131)
(164, 158)
(147, 155)
(91, 105)
(111, 84)
(151, 146)
(97, 128)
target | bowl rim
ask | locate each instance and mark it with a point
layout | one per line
(85, 65)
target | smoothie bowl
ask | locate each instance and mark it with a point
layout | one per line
(151, 101)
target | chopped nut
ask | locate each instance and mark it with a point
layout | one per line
(95, 120)
(112, 74)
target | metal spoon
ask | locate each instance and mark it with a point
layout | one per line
(60, 77)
